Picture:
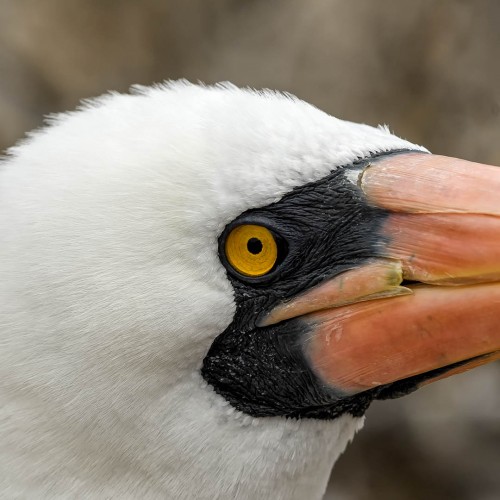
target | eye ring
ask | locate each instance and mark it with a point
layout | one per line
(251, 250)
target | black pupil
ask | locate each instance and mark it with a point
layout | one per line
(254, 246)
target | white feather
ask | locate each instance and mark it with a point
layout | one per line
(111, 292)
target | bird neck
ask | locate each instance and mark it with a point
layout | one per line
(186, 443)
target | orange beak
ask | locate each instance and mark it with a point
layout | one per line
(374, 325)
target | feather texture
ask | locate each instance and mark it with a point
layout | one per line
(111, 293)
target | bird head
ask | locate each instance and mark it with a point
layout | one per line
(205, 279)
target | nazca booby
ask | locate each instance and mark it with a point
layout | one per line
(188, 285)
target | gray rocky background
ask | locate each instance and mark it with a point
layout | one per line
(428, 69)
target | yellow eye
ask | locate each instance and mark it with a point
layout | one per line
(251, 250)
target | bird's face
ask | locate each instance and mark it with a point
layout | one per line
(121, 212)
(274, 247)
(332, 310)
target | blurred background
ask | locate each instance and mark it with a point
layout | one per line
(430, 70)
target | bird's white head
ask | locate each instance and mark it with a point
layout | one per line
(140, 344)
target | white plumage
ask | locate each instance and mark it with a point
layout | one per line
(111, 293)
